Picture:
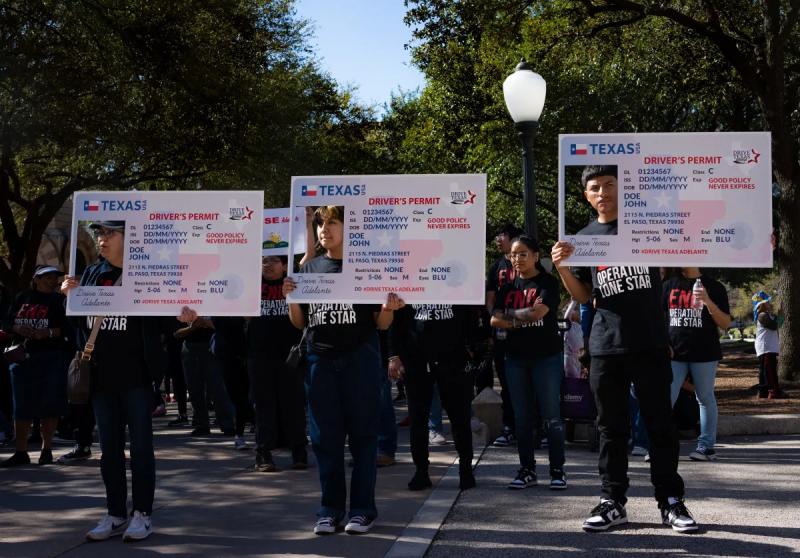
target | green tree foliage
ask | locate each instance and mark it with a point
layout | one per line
(113, 94)
(612, 66)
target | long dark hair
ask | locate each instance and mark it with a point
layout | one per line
(533, 245)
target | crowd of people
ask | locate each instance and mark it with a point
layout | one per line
(322, 371)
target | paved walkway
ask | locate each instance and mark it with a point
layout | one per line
(209, 502)
(748, 504)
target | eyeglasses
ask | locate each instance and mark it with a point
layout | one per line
(519, 255)
(104, 232)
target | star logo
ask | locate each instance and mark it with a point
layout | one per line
(663, 199)
(755, 156)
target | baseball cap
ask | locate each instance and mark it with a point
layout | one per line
(113, 225)
(45, 269)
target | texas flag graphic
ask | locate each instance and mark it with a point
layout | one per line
(308, 190)
(577, 149)
(90, 205)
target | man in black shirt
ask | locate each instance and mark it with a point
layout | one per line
(499, 274)
(628, 343)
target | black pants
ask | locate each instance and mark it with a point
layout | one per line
(234, 373)
(455, 391)
(81, 418)
(279, 398)
(499, 356)
(651, 374)
(175, 373)
(768, 373)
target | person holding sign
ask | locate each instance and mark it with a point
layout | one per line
(694, 316)
(126, 356)
(428, 347)
(342, 385)
(526, 309)
(628, 343)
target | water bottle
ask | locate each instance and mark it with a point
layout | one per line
(697, 288)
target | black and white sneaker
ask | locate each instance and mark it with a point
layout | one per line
(605, 515)
(78, 453)
(326, 526)
(703, 453)
(358, 525)
(678, 517)
(525, 478)
(558, 479)
(505, 439)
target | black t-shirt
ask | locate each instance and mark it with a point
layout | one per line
(693, 335)
(39, 310)
(128, 350)
(334, 327)
(533, 339)
(500, 273)
(431, 332)
(629, 317)
(322, 264)
(272, 334)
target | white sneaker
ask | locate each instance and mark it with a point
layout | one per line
(240, 443)
(436, 438)
(107, 527)
(140, 527)
(638, 451)
(358, 525)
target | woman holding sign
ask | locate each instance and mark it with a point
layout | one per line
(526, 308)
(126, 357)
(342, 385)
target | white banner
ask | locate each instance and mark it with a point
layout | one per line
(683, 199)
(196, 249)
(420, 236)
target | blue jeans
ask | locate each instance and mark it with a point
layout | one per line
(114, 411)
(532, 381)
(344, 399)
(387, 427)
(435, 420)
(703, 376)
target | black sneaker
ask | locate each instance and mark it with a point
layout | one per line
(525, 478)
(300, 458)
(703, 453)
(678, 517)
(78, 453)
(558, 479)
(466, 478)
(201, 431)
(326, 526)
(182, 420)
(264, 462)
(420, 481)
(505, 439)
(605, 515)
(46, 457)
(358, 525)
(17, 459)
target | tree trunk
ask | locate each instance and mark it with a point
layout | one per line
(789, 279)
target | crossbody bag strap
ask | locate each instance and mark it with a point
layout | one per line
(89, 347)
(98, 321)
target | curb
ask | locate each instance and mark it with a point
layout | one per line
(755, 425)
(418, 535)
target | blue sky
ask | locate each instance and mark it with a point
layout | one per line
(360, 43)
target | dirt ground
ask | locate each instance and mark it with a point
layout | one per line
(737, 378)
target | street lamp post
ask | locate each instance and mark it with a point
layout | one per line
(524, 93)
